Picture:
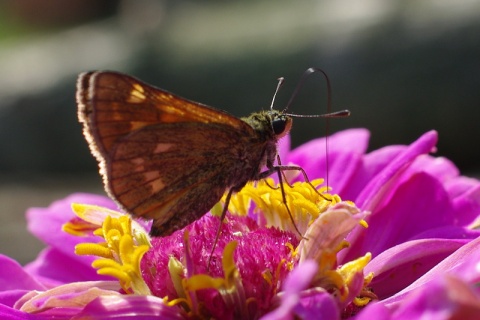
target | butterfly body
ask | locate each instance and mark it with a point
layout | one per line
(169, 159)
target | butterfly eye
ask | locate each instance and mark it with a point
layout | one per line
(281, 126)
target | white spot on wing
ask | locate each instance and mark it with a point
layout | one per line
(162, 147)
(155, 182)
(138, 164)
(136, 95)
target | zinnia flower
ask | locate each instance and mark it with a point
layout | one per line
(421, 217)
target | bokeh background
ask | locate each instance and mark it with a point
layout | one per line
(401, 67)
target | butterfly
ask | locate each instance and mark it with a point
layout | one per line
(169, 159)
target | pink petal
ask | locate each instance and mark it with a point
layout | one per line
(129, 307)
(52, 267)
(374, 192)
(454, 264)
(344, 153)
(397, 267)
(46, 223)
(409, 211)
(467, 206)
(13, 277)
(372, 163)
(73, 295)
(297, 281)
(375, 311)
(445, 298)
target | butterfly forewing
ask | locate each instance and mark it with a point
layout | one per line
(162, 157)
(116, 104)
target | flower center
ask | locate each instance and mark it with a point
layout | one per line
(306, 201)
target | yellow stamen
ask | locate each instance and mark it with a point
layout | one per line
(79, 227)
(304, 203)
(122, 250)
(94, 249)
(230, 286)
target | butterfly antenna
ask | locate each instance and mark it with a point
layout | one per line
(327, 125)
(327, 116)
(279, 85)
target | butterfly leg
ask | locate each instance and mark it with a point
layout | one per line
(284, 176)
(219, 230)
(270, 186)
(279, 171)
(305, 177)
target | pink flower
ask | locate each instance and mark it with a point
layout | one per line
(421, 214)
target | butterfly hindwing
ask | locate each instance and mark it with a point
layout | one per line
(170, 173)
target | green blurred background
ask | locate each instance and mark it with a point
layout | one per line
(401, 67)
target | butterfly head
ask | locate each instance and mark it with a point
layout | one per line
(281, 123)
(270, 125)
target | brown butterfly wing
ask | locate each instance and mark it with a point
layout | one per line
(174, 173)
(111, 105)
(161, 156)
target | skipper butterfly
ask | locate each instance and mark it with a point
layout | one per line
(165, 158)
